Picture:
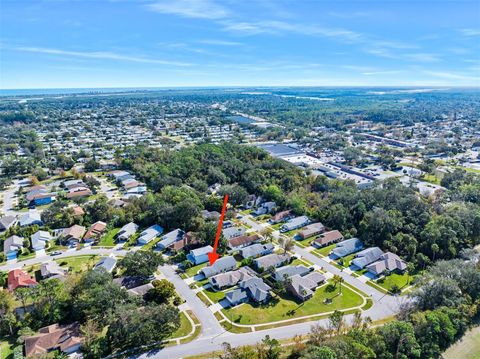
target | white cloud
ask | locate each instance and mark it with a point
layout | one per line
(104, 55)
(470, 32)
(201, 9)
(219, 42)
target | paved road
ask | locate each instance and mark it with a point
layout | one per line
(210, 325)
(9, 198)
(213, 335)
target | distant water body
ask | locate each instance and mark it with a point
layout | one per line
(70, 91)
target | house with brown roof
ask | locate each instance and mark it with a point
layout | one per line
(280, 217)
(78, 194)
(327, 238)
(65, 338)
(17, 278)
(95, 231)
(243, 241)
(311, 230)
(73, 234)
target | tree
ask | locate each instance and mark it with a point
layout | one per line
(286, 243)
(140, 263)
(269, 348)
(338, 279)
(336, 322)
(91, 165)
(131, 327)
(162, 291)
(237, 195)
(399, 339)
(7, 316)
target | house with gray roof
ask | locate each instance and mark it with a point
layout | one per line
(221, 265)
(285, 272)
(170, 238)
(367, 256)
(387, 262)
(232, 232)
(302, 287)
(295, 223)
(31, 218)
(40, 240)
(149, 234)
(253, 288)
(271, 261)
(256, 250)
(52, 269)
(108, 263)
(347, 247)
(7, 222)
(127, 231)
(199, 255)
(229, 279)
(11, 246)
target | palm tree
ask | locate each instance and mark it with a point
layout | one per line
(286, 243)
(338, 279)
(435, 248)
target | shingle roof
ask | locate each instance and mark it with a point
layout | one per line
(288, 271)
(242, 240)
(347, 247)
(328, 237)
(52, 337)
(256, 249)
(271, 260)
(229, 279)
(388, 261)
(367, 256)
(221, 265)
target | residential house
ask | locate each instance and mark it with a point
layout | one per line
(7, 222)
(264, 208)
(141, 290)
(40, 198)
(280, 217)
(17, 278)
(227, 224)
(149, 234)
(302, 287)
(78, 193)
(253, 288)
(347, 247)
(170, 238)
(108, 263)
(73, 234)
(271, 261)
(210, 215)
(286, 272)
(127, 231)
(233, 232)
(221, 265)
(72, 183)
(311, 230)
(31, 218)
(11, 246)
(387, 262)
(64, 338)
(40, 240)
(188, 239)
(327, 238)
(199, 255)
(256, 250)
(295, 223)
(366, 257)
(95, 231)
(78, 211)
(243, 241)
(229, 279)
(52, 269)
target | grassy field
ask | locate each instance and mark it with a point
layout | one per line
(325, 251)
(79, 264)
(108, 240)
(214, 296)
(285, 307)
(467, 348)
(345, 261)
(193, 270)
(185, 327)
(401, 280)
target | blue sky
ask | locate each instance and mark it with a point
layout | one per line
(169, 43)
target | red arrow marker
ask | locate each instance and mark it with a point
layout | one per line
(213, 256)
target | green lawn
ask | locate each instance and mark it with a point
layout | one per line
(185, 327)
(285, 307)
(213, 295)
(151, 244)
(467, 348)
(401, 280)
(345, 261)
(108, 240)
(431, 178)
(303, 262)
(192, 271)
(79, 264)
(325, 251)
